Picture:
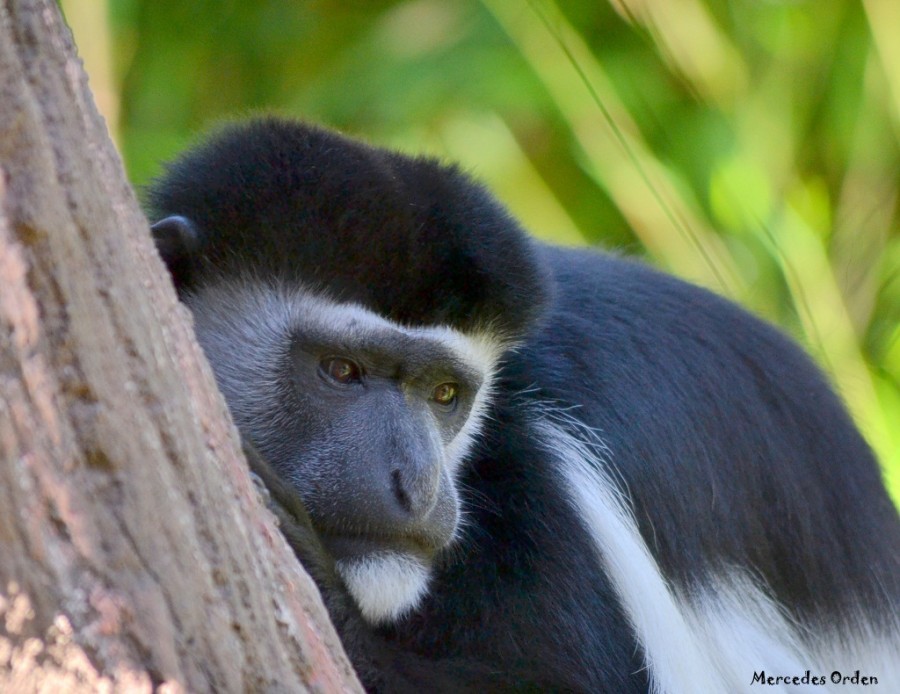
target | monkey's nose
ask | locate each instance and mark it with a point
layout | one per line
(414, 486)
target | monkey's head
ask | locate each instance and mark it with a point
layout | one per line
(354, 304)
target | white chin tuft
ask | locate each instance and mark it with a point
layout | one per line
(385, 584)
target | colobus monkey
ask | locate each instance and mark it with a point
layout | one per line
(514, 466)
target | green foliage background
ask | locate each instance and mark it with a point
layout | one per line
(751, 146)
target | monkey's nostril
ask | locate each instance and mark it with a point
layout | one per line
(399, 492)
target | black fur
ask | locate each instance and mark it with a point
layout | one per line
(307, 206)
(728, 442)
(734, 448)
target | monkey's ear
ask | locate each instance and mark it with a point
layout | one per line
(178, 242)
(176, 238)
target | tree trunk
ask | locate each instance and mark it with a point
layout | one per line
(133, 548)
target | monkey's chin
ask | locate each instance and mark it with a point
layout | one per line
(385, 584)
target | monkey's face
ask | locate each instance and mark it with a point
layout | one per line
(368, 420)
(276, 234)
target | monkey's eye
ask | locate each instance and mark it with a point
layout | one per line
(341, 370)
(445, 393)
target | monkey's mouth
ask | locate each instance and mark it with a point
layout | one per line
(352, 546)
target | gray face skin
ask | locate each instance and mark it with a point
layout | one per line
(382, 409)
(366, 419)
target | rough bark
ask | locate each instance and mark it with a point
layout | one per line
(133, 549)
